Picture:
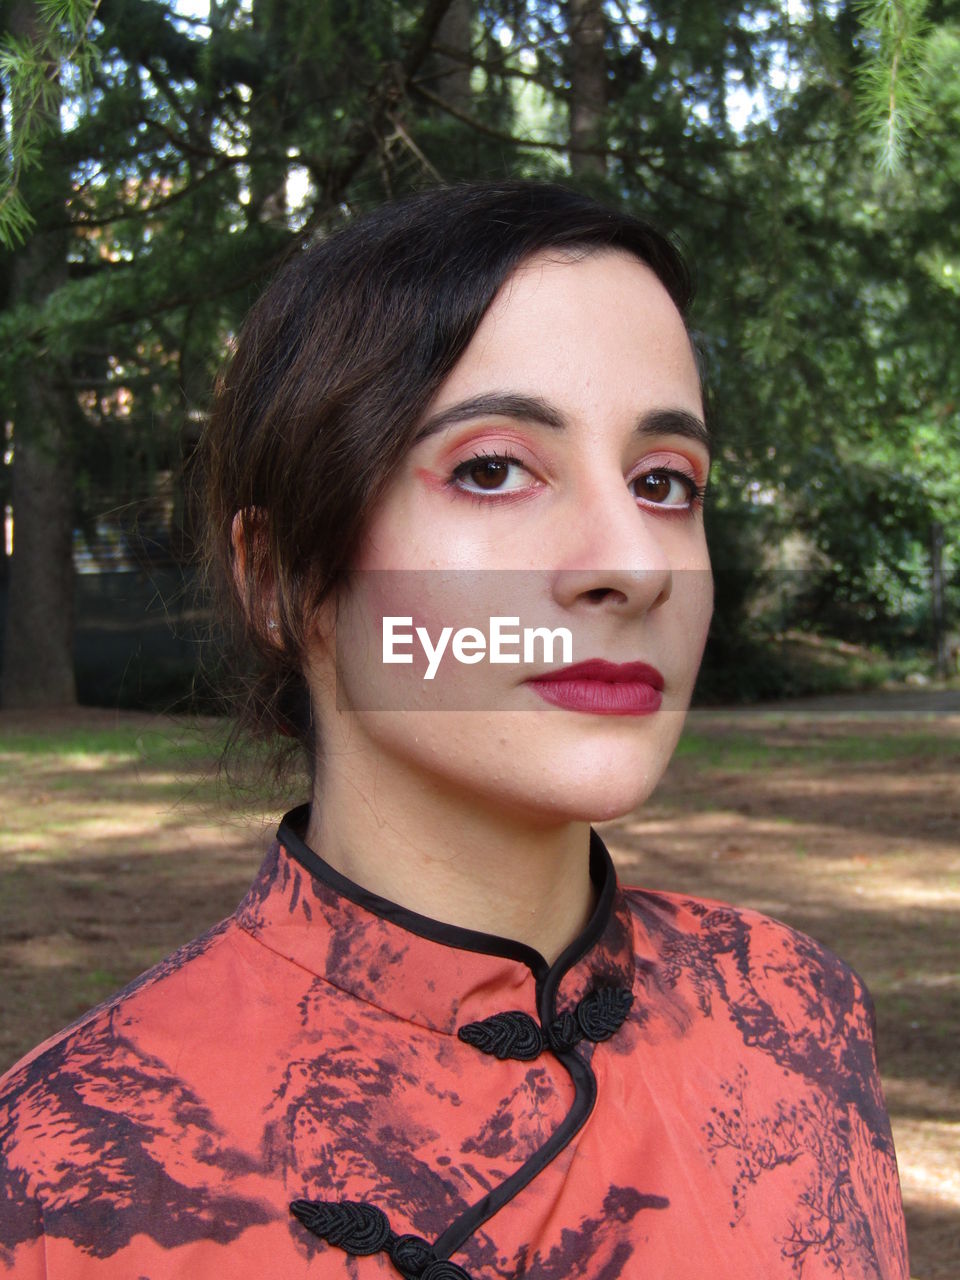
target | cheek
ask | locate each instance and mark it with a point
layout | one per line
(431, 600)
(692, 600)
(423, 525)
(693, 582)
(387, 532)
(409, 526)
(702, 598)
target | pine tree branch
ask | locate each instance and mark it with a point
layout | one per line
(33, 58)
(365, 136)
(131, 213)
(490, 131)
(892, 84)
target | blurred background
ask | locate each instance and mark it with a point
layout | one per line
(158, 160)
(161, 156)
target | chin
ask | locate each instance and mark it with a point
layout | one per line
(586, 807)
(541, 777)
(603, 804)
(563, 795)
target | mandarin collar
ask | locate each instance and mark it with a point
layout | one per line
(436, 975)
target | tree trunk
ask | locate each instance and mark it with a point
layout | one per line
(588, 84)
(451, 80)
(38, 638)
(268, 172)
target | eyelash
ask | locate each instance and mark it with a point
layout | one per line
(697, 491)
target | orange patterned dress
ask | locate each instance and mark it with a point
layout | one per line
(327, 1084)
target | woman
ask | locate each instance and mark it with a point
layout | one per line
(437, 1038)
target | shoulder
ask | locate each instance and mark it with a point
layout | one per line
(66, 1102)
(783, 993)
(115, 1129)
(739, 940)
(782, 1033)
(143, 990)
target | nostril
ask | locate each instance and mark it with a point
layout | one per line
(598, 593)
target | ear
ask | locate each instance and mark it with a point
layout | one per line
(258, 596)
(238, 545)
(256, 586)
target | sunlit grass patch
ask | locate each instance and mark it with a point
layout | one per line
(98, 748)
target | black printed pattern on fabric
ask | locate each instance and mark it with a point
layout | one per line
(361, 1229)
(832, 1050)
(515, 1034)
(88, 1200)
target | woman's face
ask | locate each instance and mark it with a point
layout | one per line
(592, 396)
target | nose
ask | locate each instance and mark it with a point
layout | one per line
(611, 554)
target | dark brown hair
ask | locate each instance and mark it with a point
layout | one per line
(332, 372)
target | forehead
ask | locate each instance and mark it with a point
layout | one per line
(582, 324)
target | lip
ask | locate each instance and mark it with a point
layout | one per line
(608, 672)
(598, 687)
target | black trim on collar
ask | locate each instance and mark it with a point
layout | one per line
(604, 876)
(548, 977)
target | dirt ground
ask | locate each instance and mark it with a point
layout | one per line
(842, 818)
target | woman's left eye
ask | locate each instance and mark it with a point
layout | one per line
(657, 485)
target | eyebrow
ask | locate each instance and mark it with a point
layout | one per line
(655, 422)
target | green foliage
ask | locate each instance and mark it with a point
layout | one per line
(195, 154)
(893, 79)
(33, 69)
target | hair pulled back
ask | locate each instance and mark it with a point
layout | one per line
(331, 373)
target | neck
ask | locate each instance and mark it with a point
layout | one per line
(452, 856)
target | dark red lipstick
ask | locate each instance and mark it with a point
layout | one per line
(603, 688)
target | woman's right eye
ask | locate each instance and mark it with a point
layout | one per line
(486, 472)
